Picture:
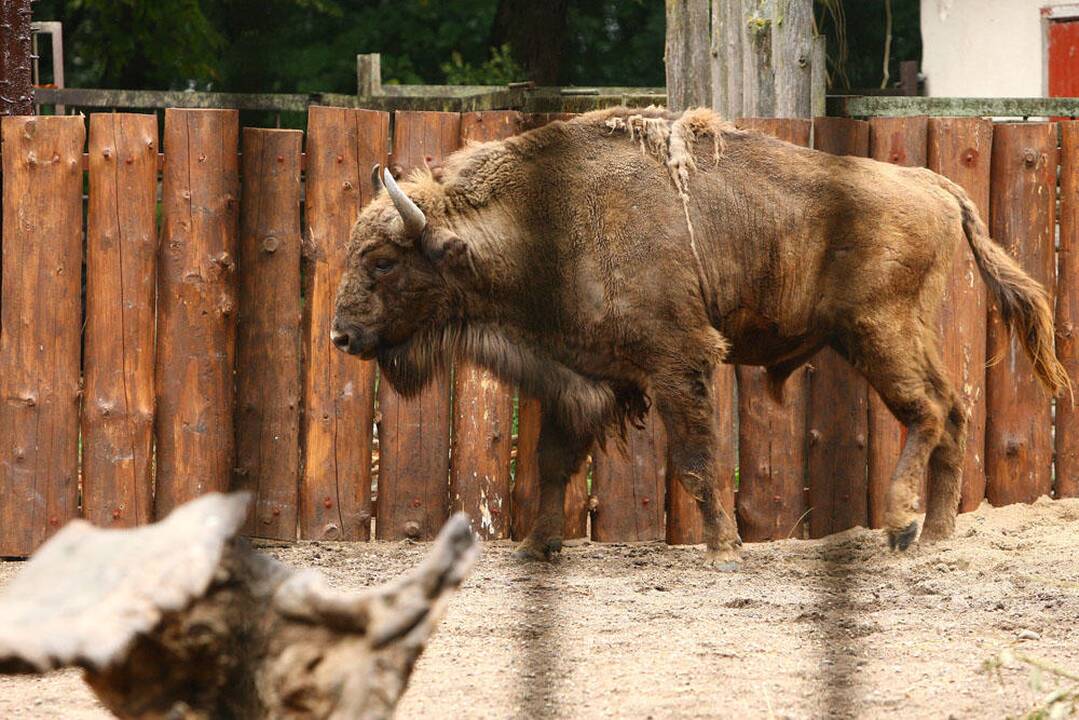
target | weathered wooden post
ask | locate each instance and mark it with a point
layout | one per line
(369, 74)
(792, 58)
(16, 89)
(687, 54)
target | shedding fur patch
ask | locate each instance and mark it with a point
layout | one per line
(671, 141)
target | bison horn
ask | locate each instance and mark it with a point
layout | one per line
(376, 181)
(411, 215)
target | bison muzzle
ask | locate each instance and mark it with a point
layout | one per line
(612, 261)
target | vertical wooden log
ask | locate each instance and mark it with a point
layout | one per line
(1018, 432)
(771, 497)
(838, 417)
(414, 435)
(339, 390)
(41, 328)
(526, 481)
(16, 84)
(684, 523)
(819, 82)
(118, 367)
(902, 141)
(268, 332)
(758, 75)
(629, 486)
(687, 54)
(196, 331)
(960, 149)
(731, 46)
(483, 405)
(792, 48)
(1067, 316)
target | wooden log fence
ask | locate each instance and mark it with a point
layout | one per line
(239, 386)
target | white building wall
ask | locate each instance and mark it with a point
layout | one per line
(984, 48)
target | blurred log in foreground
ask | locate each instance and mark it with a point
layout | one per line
(182, 619)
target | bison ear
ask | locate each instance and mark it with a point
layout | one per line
(442, 246)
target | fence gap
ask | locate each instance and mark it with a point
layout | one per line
(838, 417)
(771, 500)
(960, 149)
(1018, 432)
(414, 434)
(338, 404)
(118, 367)
(901, 141)
(483, 405)
(41, 328)
(268, 332)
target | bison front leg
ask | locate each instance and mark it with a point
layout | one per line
(561, 452)
(687, 405)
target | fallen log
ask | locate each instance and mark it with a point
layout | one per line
(183, 619)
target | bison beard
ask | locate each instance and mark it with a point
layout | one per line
(622, 255)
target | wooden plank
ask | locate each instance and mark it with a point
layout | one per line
(1018, 431)
(339, 390)
(902, 141)
(414, 434)
(483, 405)
(41, 321)
(628, 485)
(118, 366)
(268, 332)
(771, 500)
(838, 419)
(196, 332)
(960, 149)
(524, 500)
(1067, 315)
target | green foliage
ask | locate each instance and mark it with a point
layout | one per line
(135, 43)
(499, 69)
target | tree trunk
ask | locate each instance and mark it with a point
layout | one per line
(16, 90)
(688, 54)
(536, 33)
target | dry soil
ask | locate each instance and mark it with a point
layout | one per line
(806, 629)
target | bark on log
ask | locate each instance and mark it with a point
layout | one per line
(182, 619)
(16, 77)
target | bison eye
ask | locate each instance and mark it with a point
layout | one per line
(384, 264)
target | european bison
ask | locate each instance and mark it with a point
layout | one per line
(618, 257)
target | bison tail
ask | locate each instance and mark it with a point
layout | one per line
(1023, 302)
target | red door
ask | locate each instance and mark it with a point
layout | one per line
(1064, 57)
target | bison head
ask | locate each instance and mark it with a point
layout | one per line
(396, 279)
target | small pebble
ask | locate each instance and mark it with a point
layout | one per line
(1029, 635)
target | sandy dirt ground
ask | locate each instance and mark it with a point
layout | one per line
(806, 629)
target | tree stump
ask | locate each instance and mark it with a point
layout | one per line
(183, 619)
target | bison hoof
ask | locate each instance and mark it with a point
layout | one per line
(933, 533)
(901, 539)
(727, 560)
(531, 550)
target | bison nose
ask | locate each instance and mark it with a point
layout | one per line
(340, 339)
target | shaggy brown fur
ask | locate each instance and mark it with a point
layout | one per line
(620, 256)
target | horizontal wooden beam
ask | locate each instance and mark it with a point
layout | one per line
(874, 106)
(401, 97)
